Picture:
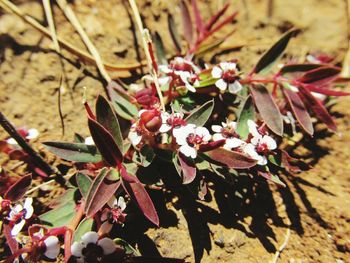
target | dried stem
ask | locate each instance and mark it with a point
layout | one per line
(8, 6)
(146, 40)
(10, 129)
(283, 246)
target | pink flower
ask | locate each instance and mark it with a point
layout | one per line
(227, 132)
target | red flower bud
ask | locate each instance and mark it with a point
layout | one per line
(152, 120)
(146, 97)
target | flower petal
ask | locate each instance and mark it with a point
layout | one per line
(234, 87)
(121, 203)
(32, 134)
(89, 141)
(190, 87)
(89, 237)
(216, 72)
(188, 151)
(107, 245)
(221, 84)
(270, 142)
(52, 247)
(164, 128)
(216, 128)
(233, 143)
(18, 227)
(77, 249)
(218, 137)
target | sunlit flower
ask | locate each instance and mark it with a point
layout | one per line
(91, 248)
(190, 137)
(19, 214)
(116, 213)
(260, 144)
(227, 132)
(171, 121)
(135, 134)
(227, 75)
(52, 247)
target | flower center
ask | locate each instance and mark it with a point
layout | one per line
(229, 132)
(262, 148)
(175, 121)
(230, 76)
(183, 66)
(92, 253)
(193, 139)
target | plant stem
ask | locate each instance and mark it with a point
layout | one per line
(37, 159)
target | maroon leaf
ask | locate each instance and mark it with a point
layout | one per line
(267, 108)
(272, 178)
(292, 68)
(327, 92)
(318, 108)
(188, 169)
(19, 188)
(174, 33)
(134, 188)
(216, 17)
(105, 143)
(230, 159)
(11, 242)
(286, 160)
(270, 57)
(320, 76)
(101, 190)
(299, 111)
(187, 22)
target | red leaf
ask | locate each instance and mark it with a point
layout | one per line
(216, 17)
(134, 188)
(188, 169)
(299, 110)
(198, 17)
(101, 190)
(187, 22)
(267, 108)
(230, 159)
(105, 143)
(19, 188)
(320, 76)
(318, 108)
(11, 242)
(327, 92)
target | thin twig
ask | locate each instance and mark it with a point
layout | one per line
(283, 246)
(8, 6)
(69, 13)
(60, 105)
(32, 190)
(145, 37)
(37, 159)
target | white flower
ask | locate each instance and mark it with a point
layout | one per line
(19, 214)
(189, 137)
(31, 134)
(260, 144)
(135, 134)
(52, 246)
(228, 133)
(186, 78)
(90, 245)
(171, 121)
(227, 75)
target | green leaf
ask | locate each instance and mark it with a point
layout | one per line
(247, 113)
(160, 51)
(101, 190)
(60, 216)
(275, 52)
(84, 183)
(145, 156)
(76, 152)
(206, 82)
(84, 226)
(129, 250)
(107, 118)
(201, 115)
(122, 102)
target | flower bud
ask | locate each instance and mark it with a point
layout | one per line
(146, 97)
(152, 120)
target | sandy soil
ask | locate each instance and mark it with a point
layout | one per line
(244, 222)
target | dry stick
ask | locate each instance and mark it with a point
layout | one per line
(69, 13)
(279, 251)
(8, 127)
(346, 63)
(49, 18)
(8, 6)
(146, 39)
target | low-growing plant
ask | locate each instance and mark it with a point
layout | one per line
(185, 116)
